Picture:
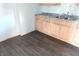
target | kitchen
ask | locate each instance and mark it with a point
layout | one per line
(54, 24)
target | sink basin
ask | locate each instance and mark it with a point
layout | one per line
(64, 17)
(68, 17)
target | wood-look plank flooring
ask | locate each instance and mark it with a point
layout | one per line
(36, 44)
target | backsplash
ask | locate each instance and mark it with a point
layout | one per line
(62, 9)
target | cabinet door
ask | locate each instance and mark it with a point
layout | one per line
(38, 23)
(46, 27)
(64, 33)
(54, 28)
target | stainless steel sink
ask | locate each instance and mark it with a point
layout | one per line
(68, 17)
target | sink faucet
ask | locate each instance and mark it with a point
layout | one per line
(68, 13)
(66, 16)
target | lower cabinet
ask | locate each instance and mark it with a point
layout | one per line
(46, 27)
(64, 33)
(54, 29)
(39, 24)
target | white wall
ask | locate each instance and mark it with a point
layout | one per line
(17, 19)
(27, 17)
(63, 8)
(7, 22)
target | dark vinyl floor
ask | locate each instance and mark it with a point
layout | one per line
(36, 44)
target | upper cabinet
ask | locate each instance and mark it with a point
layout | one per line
(77, 4)
(50, 4)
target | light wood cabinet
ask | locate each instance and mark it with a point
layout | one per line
(64, 33)
(54, 27)
(65, 30)
(46, 27)
(39, 23)
(55, 30)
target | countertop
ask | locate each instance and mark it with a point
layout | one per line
(54, 15)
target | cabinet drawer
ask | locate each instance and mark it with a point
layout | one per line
(45, 18)
(66, 23)
(55, 20)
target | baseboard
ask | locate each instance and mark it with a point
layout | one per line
(22, 34)
(6, 38)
